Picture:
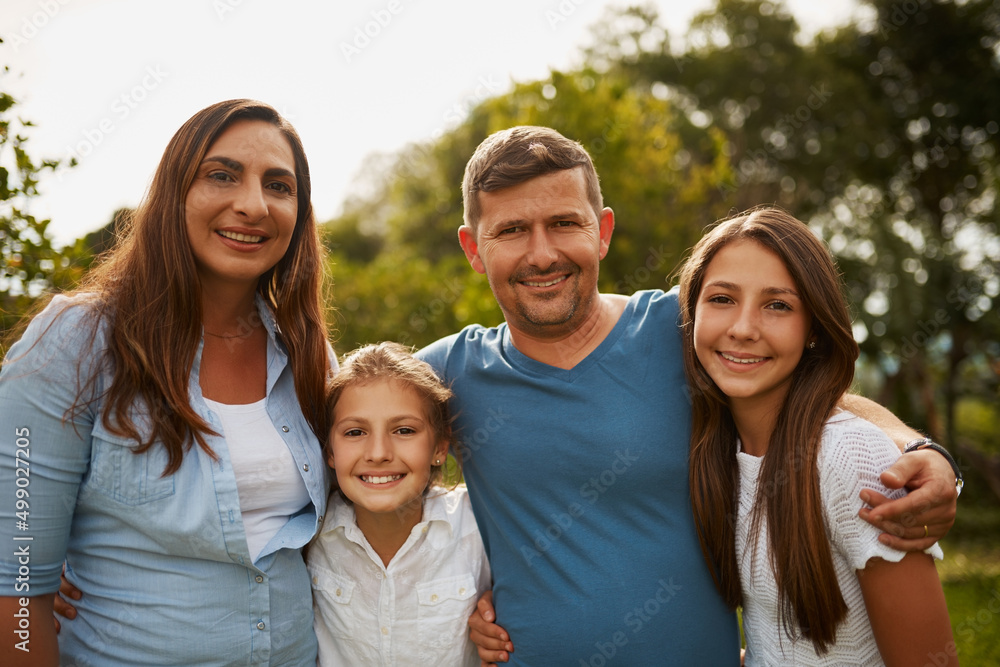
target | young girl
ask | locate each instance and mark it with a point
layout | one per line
(399, 564)
(769, 352)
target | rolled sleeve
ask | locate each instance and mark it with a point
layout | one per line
(44, 450)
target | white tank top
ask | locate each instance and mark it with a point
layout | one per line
(270, 486)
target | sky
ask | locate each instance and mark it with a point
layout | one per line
(108, 82)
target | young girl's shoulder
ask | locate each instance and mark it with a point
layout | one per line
(452, 505)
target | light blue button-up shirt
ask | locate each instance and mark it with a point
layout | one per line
(163, 563)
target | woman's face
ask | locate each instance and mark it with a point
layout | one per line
(241, 207)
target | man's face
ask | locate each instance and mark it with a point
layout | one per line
(540, 244)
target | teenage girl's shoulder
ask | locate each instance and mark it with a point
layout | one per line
(854, 452)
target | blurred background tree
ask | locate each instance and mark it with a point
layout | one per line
(30, 265)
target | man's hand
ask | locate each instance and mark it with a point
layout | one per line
(492, 641)
(926, 514)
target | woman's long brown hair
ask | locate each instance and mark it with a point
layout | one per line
(788, 494)
(147, 293)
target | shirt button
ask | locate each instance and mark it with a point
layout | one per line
(461, 591)
(305, 467)
(434, 598)
(339, 592)
(260, 625)
(385, 630)
(285, 429)
(259, 579)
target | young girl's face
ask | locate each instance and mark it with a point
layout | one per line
(383, 446)
(750, 327)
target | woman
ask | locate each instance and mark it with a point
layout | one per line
(166, 415)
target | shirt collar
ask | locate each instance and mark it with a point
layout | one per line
(434, 522)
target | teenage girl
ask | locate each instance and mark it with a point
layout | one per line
(776, 467)
(398, 564)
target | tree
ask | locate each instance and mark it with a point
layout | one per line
(29, 262)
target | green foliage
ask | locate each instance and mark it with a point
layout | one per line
(29, 263)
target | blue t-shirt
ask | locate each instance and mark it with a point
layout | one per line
(579, 482)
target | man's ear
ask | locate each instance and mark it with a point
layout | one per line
(607, 227)
(467, 238)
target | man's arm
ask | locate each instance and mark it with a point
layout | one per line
(927, 513)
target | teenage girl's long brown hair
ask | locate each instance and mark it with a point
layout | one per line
(147, 293)
(788, 494)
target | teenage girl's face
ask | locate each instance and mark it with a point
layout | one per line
(750, 327)
(382, 447)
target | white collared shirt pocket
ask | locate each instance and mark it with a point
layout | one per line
(332, 593)
(444, 606)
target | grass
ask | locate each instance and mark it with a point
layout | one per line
(970, 574)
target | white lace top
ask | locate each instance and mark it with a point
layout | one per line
(852, 455)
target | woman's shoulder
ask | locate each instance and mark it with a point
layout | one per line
(67, 325)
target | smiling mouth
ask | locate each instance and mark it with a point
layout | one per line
(736, 360)
(384, 479)
(242, 238)
(546, 283)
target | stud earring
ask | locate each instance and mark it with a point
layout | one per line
(812, 345)
(437, 462)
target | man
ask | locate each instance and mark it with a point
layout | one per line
(574, 424)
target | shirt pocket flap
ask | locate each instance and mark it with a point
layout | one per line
(117, 471)
(336, 587)
(461, 587)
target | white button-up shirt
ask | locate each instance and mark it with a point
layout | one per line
(413, 612)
